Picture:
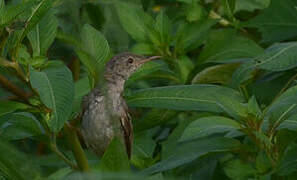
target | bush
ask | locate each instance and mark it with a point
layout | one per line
(220, 104)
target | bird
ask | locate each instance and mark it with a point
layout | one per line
(105, 112)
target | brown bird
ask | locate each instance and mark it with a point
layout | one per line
(105, 113)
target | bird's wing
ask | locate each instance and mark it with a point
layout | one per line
(126, 123)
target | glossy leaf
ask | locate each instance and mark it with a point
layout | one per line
(207, 126)
(278, 57)
(56, 90)
(218, 74)
(186, 97)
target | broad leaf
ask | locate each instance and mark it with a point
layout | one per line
(193, 35)
(19, 126)
(12, 163)
(190, 151)
(134, 20)
(207, 126)
(56, 90)
(288, 163)
(284, 107)
(43, 34)
(10, 13)
(95, 51)
(153, 118)
(218, 74)
(37, 14)
(11, 106)
(278, 57)
(115, 158)
(227, 46)
(186, 97)
(277, 26)
(242, 74)
(163, 27)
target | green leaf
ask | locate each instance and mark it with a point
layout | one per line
(96, 48)
(11, 106)
(154, 117)
(277, 26)
(188, 152)
(134, 20)
(143, 149)
(242, 74)
(193, 35)
(194, 12)
(288, 163)
(207, 126)
(115, 158)
(251, 5)
(185, 65)
(284, 107)
(43, 34)
(254, 108)
(278, 57)
(226, 46)
(37, 14)
(185, 97)
(2, 6)
(19, 126)
(142, 48)
(10, 13)
(237, 169)
(145, 70)
(163, 27)
(12, 163)
(56, 90)
(218, 74)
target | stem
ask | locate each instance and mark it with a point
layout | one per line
(15, 66)
(76, 148)
(13, 88)
(55, 149)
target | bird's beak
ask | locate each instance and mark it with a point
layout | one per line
(142, 61)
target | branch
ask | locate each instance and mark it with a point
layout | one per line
(76, 148)
(13, 88)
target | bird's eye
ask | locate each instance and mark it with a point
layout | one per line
(130, 60)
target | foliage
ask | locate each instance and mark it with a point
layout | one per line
(220, 104)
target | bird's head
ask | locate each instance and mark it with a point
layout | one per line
(123, 65)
